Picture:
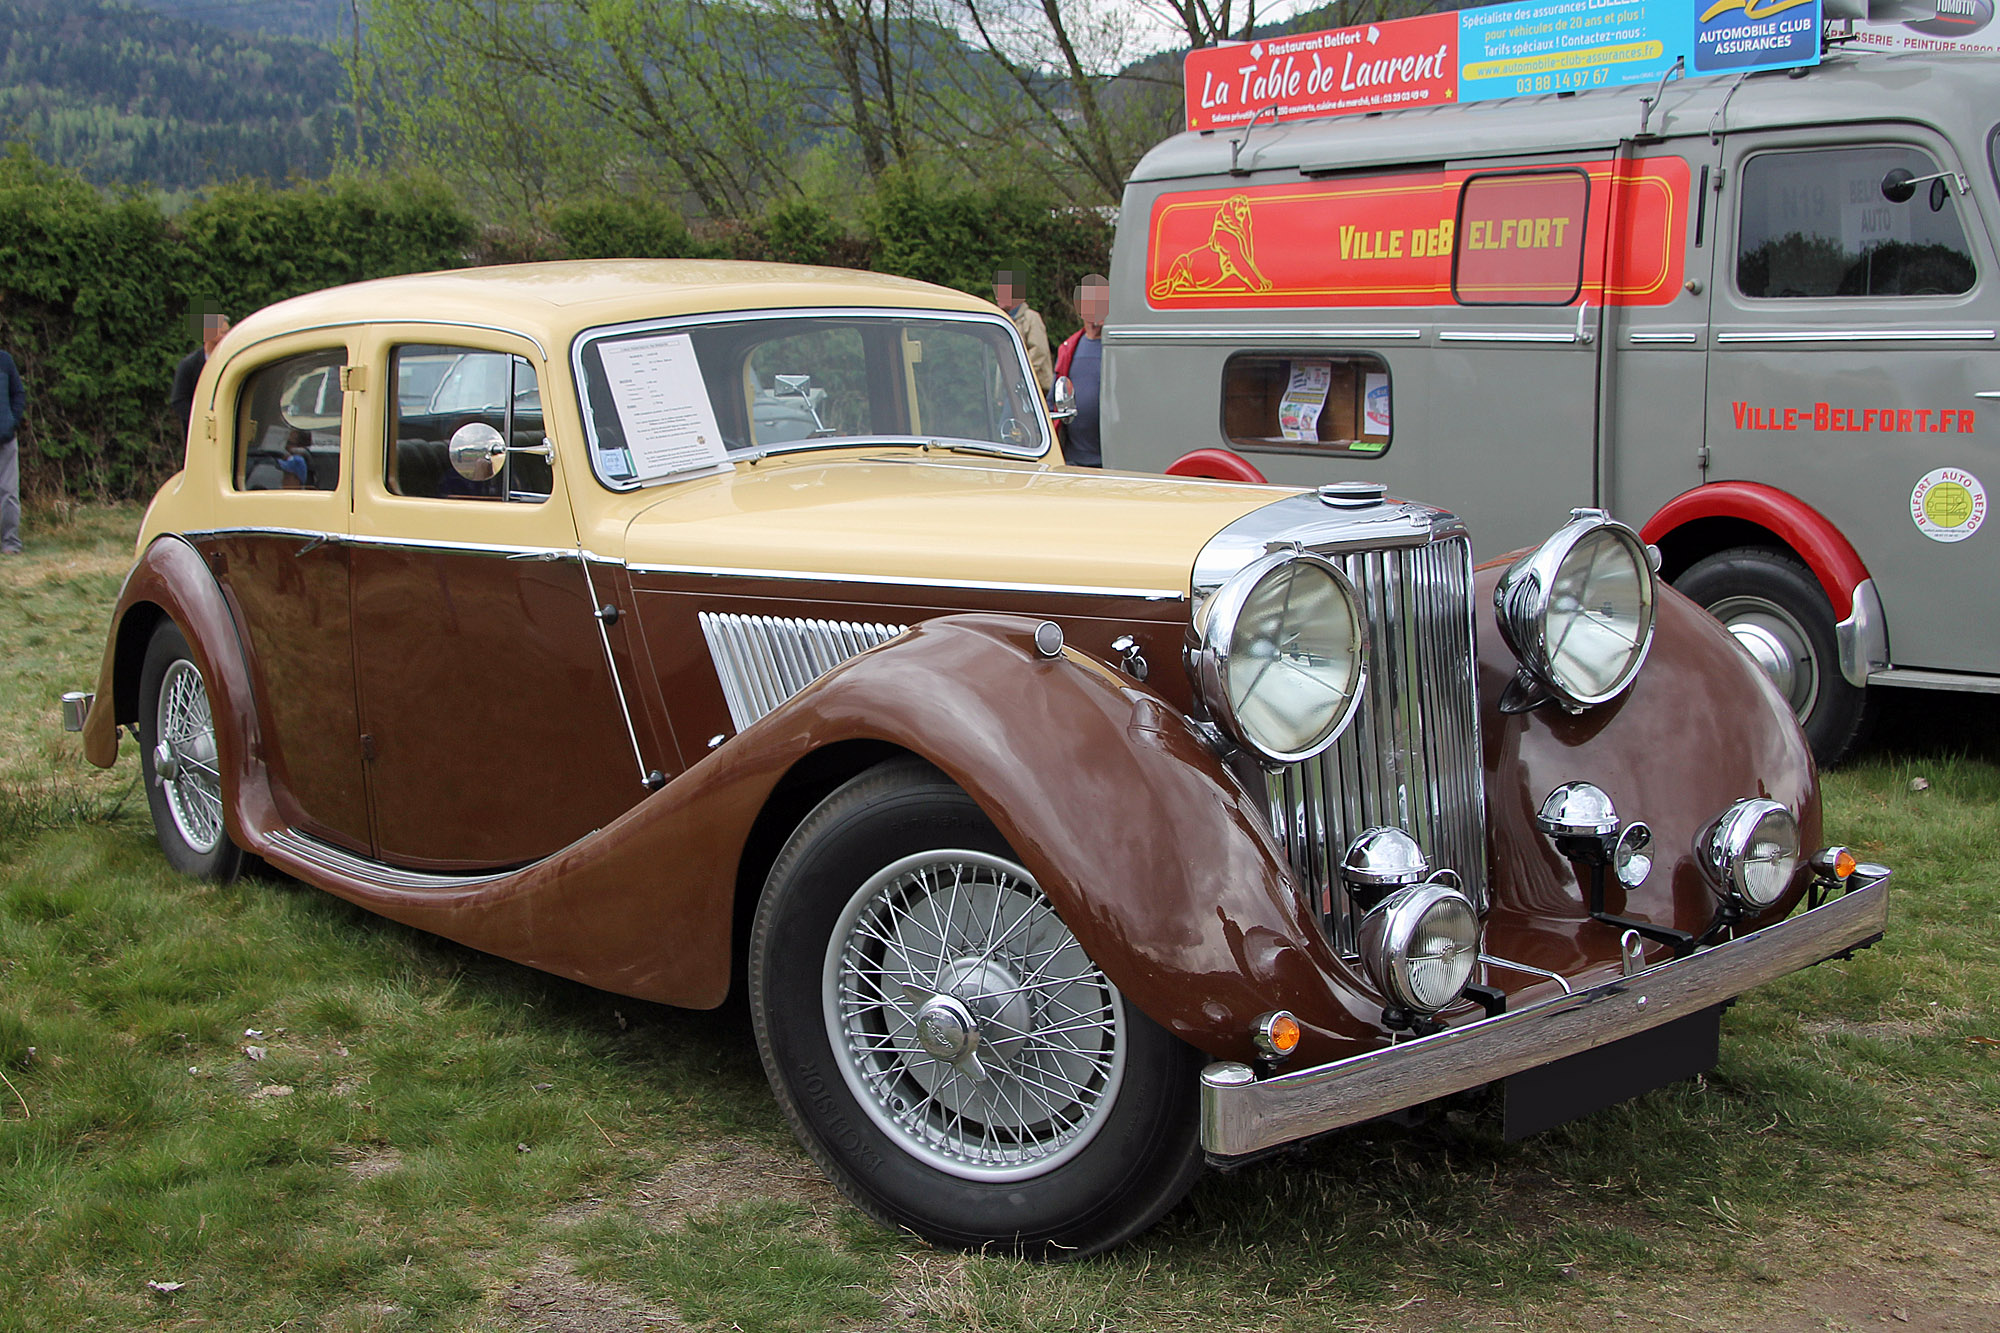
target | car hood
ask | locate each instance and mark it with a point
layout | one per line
(915, 517)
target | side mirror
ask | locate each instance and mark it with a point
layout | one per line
(1062, 399)
(1899, 186)
(477, 450)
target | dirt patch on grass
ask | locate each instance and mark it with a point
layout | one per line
(366, 1163)
(551, 1297)
(732, 1171)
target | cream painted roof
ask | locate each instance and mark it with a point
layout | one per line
(552, 302)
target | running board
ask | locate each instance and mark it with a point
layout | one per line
(1936, 680)
(307, 850)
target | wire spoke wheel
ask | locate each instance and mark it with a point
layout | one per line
(185, 759)
(972, 1026)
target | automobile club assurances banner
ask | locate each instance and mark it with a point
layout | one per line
(1508, 50)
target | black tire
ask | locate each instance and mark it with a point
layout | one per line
(181, 762)
(1067, 1139)
(1779, 613)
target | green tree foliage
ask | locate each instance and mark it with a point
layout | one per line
(95, 295)
(131, 97)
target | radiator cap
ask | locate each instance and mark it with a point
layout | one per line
(1352, 494)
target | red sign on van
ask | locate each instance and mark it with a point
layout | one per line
(1532, 238)
(1373, 67)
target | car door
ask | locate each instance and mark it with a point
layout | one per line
(1853, 342)
(492, 727)
(278, 549)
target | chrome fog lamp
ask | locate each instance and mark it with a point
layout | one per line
(1751, 852)
(1280, 656)
(1577, 810)
(1383, 858)
(1578, 613)
(1419, 945)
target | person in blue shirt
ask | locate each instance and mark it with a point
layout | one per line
(1081, 357)
(16, 402)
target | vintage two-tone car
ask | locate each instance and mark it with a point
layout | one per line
(679, 626)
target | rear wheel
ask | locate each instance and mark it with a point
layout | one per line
(943, 1045)
(1778, 612)
(181, 761)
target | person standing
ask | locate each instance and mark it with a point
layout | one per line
(188, 373)
(1010, 293)
(10, 456)
(1081, 357)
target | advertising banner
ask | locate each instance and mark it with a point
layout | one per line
(1509, 50)
(1517, 238)
(1929, 25)
(1342, 71)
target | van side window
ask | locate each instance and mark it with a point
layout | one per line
(288, 424)
(1857, 221)
(1519, 238)
(1307, 402)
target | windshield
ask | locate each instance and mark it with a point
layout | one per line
(680, 399)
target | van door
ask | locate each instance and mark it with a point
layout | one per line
(1656, 352)
(1854, 335)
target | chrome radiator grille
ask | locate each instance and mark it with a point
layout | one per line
(1411, 756)
(764, 660)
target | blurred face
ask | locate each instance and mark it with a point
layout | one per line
(1093, 305)
(212, 329)
(1005, 291)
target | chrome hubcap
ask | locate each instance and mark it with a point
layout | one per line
(1778, 644)
(184, 761)
(970, 1025)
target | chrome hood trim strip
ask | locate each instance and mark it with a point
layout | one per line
(898, 581)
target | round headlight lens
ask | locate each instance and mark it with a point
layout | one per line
(1579, 610)
(1281, 655)
(1600, 615)
(1420, 944)
(1753, 851)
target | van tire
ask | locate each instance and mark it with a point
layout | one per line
(1778, 612)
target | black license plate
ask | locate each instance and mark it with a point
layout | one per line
(1539, 1099)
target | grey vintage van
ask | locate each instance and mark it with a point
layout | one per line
(1755, 316)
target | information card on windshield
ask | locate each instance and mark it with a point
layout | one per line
(663, 406)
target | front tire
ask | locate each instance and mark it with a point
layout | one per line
(1776, 609)
(942, 1044)
(181, 761)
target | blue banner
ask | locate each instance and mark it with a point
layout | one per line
(1552, 46)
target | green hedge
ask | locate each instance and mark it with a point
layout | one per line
(96, 293)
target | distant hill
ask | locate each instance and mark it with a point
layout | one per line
(135, 97)
(315, 20)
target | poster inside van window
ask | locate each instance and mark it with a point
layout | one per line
(1392, 240)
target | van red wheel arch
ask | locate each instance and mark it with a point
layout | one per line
(1831, 557)
(1216, 464)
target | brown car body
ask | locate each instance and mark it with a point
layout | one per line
(527, 744)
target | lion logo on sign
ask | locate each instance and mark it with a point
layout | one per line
(1227, 261)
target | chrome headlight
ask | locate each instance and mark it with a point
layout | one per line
(1419, 945)
(1751, 852)
(1578, 611)
(1280, 655)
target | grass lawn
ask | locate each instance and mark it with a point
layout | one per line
(251, 1106)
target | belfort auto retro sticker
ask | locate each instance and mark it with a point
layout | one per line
(1948, 505)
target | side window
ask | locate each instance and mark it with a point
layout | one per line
(288, 424)
(1519, 238)
(1858, 221)
(440, 390)
(1306, 403)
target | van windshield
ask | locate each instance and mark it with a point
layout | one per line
(668, 400)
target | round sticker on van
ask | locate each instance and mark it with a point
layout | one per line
(1948, 505)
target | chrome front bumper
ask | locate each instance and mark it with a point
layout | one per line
(1241, 1114)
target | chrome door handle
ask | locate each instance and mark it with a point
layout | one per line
(1987, 393)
